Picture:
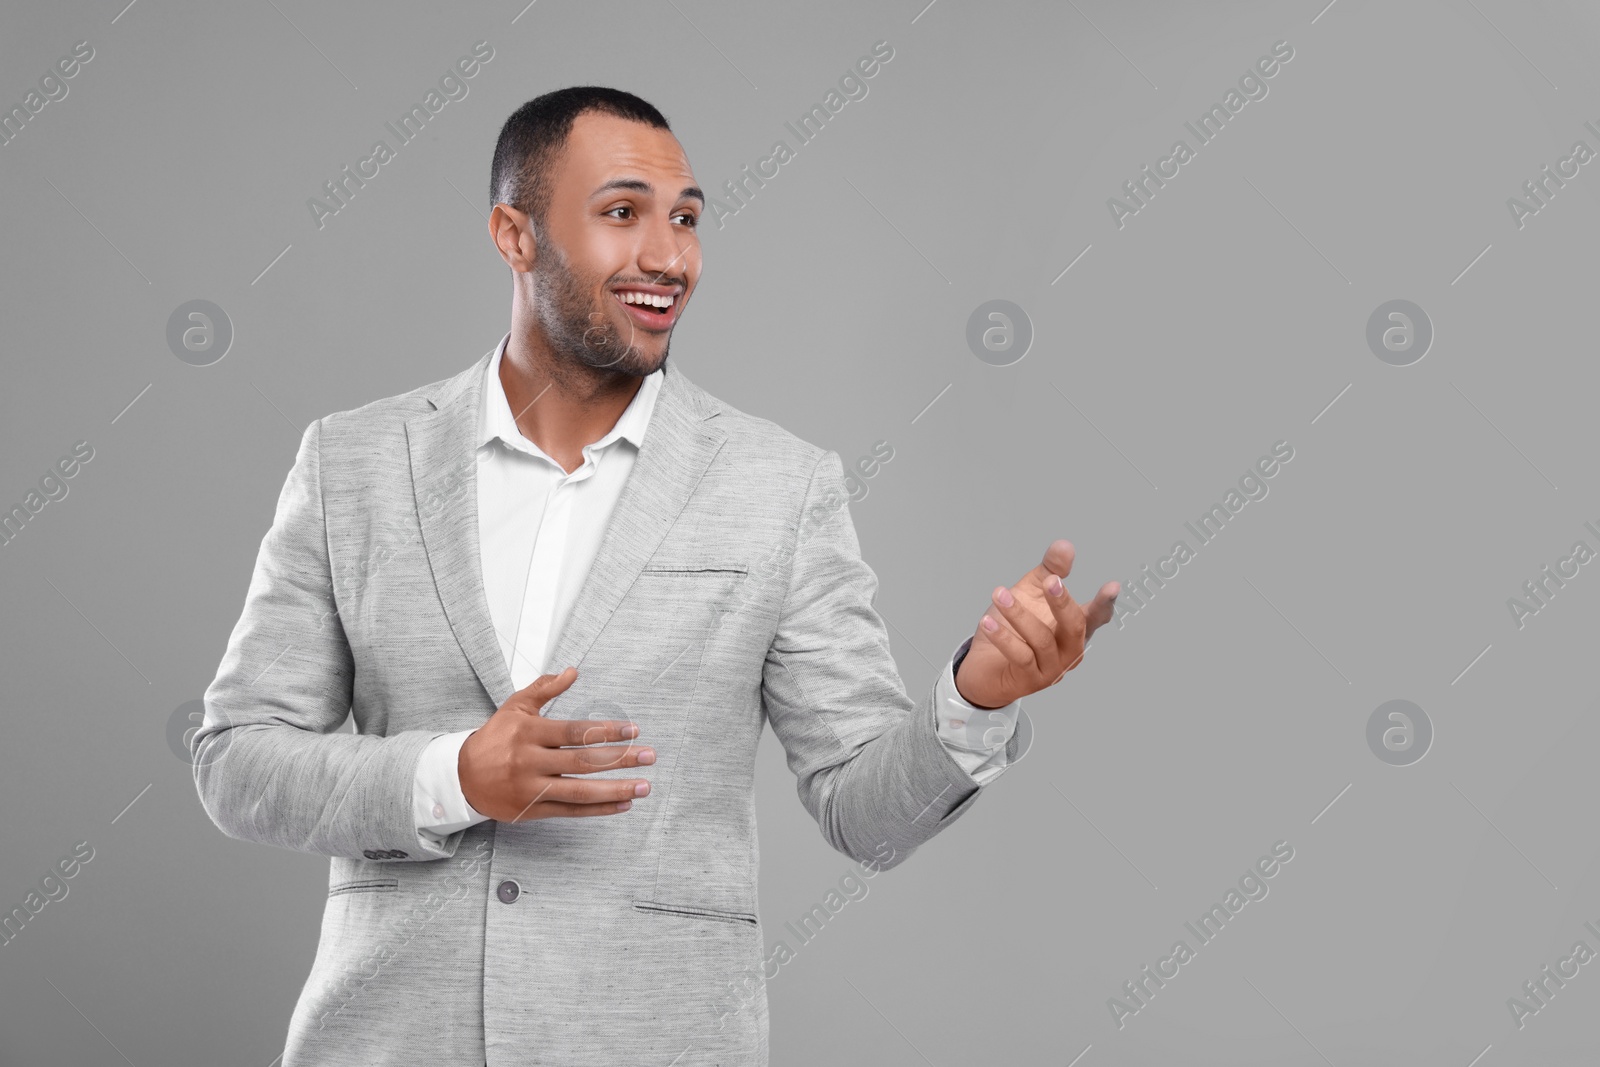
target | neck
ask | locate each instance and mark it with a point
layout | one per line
(559, 405)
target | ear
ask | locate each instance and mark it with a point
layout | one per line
(512, 233)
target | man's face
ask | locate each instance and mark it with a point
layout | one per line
(619, 237)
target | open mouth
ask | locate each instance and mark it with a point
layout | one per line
(649, 309)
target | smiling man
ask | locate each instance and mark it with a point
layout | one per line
(561, 594)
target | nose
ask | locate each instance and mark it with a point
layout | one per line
(668, 251)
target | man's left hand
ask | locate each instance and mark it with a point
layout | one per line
(1038, 633)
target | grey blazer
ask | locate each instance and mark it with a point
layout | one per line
(728, 591)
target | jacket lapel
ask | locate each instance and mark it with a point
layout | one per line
(679, 444)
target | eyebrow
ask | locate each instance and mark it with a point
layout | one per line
(691, 192)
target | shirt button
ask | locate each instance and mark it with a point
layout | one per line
(508, 891)
(438, 811)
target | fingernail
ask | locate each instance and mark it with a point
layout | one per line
(624, 805)
(989, 625)
(1053, 586)
(642, 789)
(647, 755)
(1004, 597)
(630, 731)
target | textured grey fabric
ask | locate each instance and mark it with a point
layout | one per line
(728, 590)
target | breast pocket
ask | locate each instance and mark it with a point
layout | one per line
(673, 610)
(645, 664)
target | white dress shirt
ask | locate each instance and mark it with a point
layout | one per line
(539, 529)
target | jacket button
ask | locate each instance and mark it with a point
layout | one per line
(508, 891)
(369, 853)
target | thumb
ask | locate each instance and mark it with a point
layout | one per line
(1058, 560)
(536, 694)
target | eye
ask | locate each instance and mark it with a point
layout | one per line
(694, 219)
(619, 207)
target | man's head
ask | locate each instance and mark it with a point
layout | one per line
(594, 210)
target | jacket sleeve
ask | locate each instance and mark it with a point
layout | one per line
(869, 764)
(268, 762)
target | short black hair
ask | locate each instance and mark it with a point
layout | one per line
(532, 139)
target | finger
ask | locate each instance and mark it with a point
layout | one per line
(581, 811)
(1057, 560)
(1102, 607)
(567, 790)
(1032, 629)
(562, 733)
(1012, 647)
(1071, 630)
(602, 758)
(536, 694)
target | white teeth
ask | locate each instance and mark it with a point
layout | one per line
(631, 297)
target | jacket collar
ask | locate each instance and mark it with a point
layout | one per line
(682, 440)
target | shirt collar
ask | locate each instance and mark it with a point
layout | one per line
(495, 420)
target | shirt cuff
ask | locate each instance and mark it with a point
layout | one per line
(975, 737)
(437, 804)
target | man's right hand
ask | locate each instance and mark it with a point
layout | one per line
(514, 767)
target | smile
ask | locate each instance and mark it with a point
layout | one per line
(652, 310)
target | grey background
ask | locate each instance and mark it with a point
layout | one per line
(1222, 318)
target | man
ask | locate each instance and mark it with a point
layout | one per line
(503, 575)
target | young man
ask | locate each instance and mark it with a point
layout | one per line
(538, 580)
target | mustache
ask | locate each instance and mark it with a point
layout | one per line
(659, 279)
